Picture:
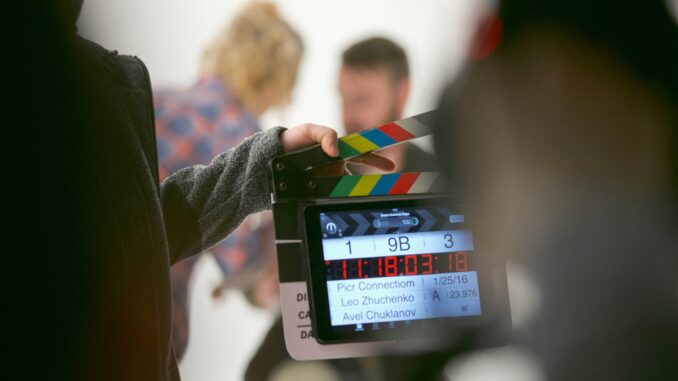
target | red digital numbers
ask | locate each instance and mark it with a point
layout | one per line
(426, 264)
(389, 266)
(458, 261)
(360, 268)
(343, 265)
(461, 261)
(410, 265)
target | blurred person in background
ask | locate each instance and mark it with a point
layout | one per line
(563, 143)
(374, 85)
(248, 69)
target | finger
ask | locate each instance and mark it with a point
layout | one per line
(306, 135)
(374, 160)
(327, 138)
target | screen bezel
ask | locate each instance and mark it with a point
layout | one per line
(319, 301)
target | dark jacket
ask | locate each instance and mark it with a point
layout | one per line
(131, 228)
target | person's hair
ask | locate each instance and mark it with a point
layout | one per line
(258, 52)
(377, 53)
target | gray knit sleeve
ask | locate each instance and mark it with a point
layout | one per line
(203, 204)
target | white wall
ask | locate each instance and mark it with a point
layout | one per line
(169, 36)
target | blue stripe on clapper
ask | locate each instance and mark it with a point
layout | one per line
(377, 137)
(384, 185)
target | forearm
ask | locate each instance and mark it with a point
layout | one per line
(203, 204)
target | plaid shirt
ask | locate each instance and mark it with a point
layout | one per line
(192, 127)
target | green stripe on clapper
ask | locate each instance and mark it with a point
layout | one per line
(346, 150)
(365, 185)
(345, 186)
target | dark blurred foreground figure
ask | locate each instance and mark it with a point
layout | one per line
(106, 229)
(564, 141)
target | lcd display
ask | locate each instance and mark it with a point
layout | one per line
(384, 270)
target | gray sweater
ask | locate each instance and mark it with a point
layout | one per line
(216, 198)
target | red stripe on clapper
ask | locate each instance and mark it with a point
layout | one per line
(396, 132)
(404, 183)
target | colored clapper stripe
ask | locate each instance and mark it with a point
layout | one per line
(364, 185)
(389, 184)
(359, 143)
(346, 150)
(402, 186)
(423, 182)
(384, 185)
(345, 186)
(396, 132)
(377, 137)
(414, 127)
(384, 136)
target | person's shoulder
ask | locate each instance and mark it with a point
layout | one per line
(124, 70)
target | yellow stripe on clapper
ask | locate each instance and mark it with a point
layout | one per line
(359, 143)
(364, 185)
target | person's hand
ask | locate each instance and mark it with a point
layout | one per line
(308, 134)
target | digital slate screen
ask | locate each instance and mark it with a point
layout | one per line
(380, 270)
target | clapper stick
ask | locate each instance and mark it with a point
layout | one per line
(292, 180)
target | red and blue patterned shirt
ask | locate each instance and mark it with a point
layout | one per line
(192, 127)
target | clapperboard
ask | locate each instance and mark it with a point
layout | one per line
(294, 189)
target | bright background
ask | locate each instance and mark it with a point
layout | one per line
(170, 35)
